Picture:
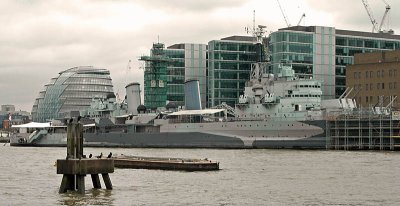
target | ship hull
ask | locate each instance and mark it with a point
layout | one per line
(227, 135)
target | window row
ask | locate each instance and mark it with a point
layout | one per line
(368, 43)
(234, 46)
(292, 37)
(308, 86)
(89, 88)
(291, 47)
(379, 86)
(379, 74)
(303, 95)
(88, 81)
(370, 99)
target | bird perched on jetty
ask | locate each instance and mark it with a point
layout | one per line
(90, 155)
(101, 155)
(109, 155)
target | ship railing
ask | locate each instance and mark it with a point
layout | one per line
(202, 120)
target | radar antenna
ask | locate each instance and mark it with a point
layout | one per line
(259, 32)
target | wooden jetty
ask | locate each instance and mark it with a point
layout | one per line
(137, 162)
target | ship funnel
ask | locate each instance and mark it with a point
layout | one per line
(192, 95)
(133, 97)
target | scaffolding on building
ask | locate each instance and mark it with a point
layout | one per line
(155, 77)
(368, 129)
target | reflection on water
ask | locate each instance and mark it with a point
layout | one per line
(247, 177)
(91, 197)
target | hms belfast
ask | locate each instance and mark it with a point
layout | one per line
(275, 111)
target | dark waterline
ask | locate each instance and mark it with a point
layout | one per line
(247, 177)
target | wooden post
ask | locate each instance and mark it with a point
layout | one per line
(78, 137)
(107, 181)
(67, 183)
(70, 141)
(96, 181)
(74, 168)
(80, 183)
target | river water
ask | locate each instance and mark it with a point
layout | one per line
(247, 177)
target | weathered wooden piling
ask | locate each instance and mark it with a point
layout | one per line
(76, 166)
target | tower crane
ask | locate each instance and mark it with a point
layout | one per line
(284, 14)
(371, 16)
(387, 8)
(375, 26)
(301, 18)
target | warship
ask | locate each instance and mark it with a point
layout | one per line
(275, 111)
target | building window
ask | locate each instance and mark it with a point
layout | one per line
(383, 85)
(366, 99)
(378, 85)
(366, 74)
(370, 87)
(390, 73)
(370, 99)
(378, 74)
(371, 74)
(382, 73)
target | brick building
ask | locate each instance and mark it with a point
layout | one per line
(374, 75)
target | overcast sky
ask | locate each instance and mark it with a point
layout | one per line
(40, 38)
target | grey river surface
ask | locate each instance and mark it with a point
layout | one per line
(247, 177)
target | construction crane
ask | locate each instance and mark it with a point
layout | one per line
(371, 16)
(284, 14)
(387, 8)
(301, 18)
(375, 26)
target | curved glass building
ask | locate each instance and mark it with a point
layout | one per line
(71, 91)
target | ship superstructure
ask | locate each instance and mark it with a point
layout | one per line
(279, 97)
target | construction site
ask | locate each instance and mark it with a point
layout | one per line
(364, 129)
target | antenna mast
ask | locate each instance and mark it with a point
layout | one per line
(258, 32)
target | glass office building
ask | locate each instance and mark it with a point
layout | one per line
(324, 52)
(72, 90)
(189, 61)
(229, 64)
